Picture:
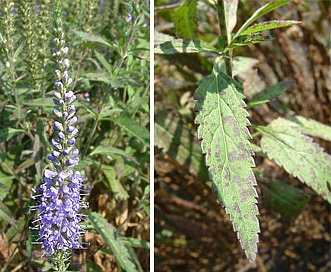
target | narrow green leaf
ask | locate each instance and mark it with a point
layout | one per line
(18, 51)
(298, 155)
(8, 133)
(108, 113)
(184, 46)
(269, 93)
(269, 25)
(103, 61)
(310, 127)
(114, 184)
(130, 126)
(113, 239)
(223, 122)
(260, 12)
(92, 38)
(103, 77)
(230, 15)
(283, 198)
(185, 19)
(40, 102)
(111, 151)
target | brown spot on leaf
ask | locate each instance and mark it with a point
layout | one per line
(233, 156)
(236, 179)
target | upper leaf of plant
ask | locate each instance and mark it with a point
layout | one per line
(185, 19)
(298, 155)
(224, 135)
(134, 129)
(269, 25)
(271, 92)
(92, 38)
(230, 15)
(260, 12)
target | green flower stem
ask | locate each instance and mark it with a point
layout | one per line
(220, 7)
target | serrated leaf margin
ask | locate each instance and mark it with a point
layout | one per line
(316, 177)
(246, 223)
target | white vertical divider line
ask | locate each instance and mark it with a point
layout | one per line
(151, 51)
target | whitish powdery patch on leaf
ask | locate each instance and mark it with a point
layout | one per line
(298, 155)
(223, 122)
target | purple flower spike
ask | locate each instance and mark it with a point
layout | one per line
(61, 189)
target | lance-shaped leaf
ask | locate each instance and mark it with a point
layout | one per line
(230, 15)
(185, 19)
(298, 155)
(269, 25)
(269, 93)
(224, 135)
(124, 256)
(260, 12)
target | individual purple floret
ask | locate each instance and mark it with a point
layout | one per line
(59, 195)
